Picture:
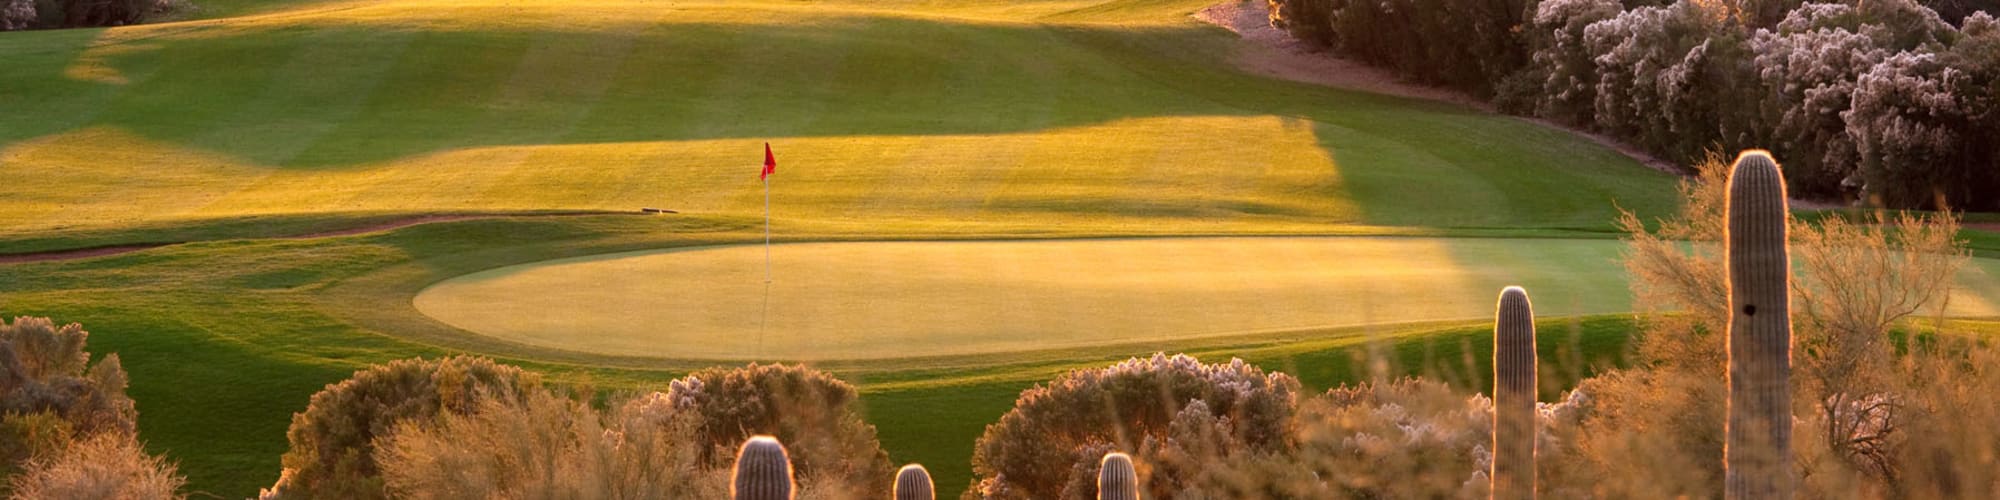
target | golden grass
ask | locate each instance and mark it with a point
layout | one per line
(1137, 168)
(903, 299)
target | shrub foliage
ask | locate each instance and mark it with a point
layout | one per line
(332, 441)
(659, 445)
(67, 429)
(1884, 102)
(1176, 416)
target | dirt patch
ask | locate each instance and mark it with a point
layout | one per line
(1271, 52)
(1984, 226)
(85, 253)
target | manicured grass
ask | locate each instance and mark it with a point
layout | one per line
(866, 300)
(893, 121)
(973, 114)
(224, 340)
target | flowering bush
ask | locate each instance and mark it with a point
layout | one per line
(1177, 416)
(1879, 100)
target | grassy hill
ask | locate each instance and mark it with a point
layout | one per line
(892, 120)
(1038, 114)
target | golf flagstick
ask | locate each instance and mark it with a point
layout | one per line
(770, 166)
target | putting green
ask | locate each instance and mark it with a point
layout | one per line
(898, 299)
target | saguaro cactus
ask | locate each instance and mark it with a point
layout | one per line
(1758, 452)
(1116, 479)
(914, 483)
(1513, 473)
(763, 471)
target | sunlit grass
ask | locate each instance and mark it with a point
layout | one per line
(833, 301)
(899, 120)
(972, 113)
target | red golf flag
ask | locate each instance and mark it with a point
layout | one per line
(770, 163)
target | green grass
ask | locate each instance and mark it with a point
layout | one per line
(867, 300)
(967, 114)
(225, 340)
(893, 121)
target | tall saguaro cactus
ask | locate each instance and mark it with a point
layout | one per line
(763, 471)
(1116, 479)
(1758, 452)
(1513, 473)
(914, 483)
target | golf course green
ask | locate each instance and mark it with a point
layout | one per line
(871, 300)
(971, 196)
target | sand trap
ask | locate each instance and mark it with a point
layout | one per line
(897, 299)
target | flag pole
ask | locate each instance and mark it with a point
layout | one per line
(767, 229)
(765, 322)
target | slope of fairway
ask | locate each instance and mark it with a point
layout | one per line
(835, 301)
(1121, 114)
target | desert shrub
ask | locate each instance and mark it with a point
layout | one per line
(675, 444)
(17, 14)
(51, 394)
(1682, 62)
(1860, 284)
(1961, 9)
(1878, 99)
(550, 447)
(1306, 20)
(1165, 411)
(1673, 417)
(1407, 438)
(1764, 13)
(104, 466)
(1945, 445)
(1810, 68)
(1393, 439)
(1910, 129)
(44, 368)
(1561, 65)
(1469, 45)
(25, 435)
(48, 14)
(810, 411)
(332, 441)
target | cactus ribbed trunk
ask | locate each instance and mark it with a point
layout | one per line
(914, 483)
(1758, 452)
(1513, 473)
(1116, 479)
(763, 471)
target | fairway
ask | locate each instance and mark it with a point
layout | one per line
(966, 114)
(972, 196)
(843, 301)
